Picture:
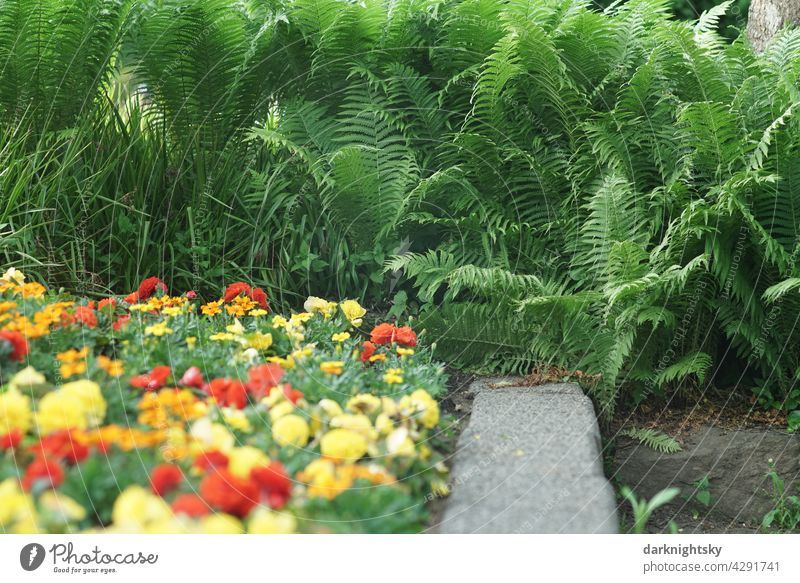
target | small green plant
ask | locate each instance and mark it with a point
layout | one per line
(701, 495)
(643, 508)
(657, 440)
(785, 515)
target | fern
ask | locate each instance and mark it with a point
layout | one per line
(657, 440)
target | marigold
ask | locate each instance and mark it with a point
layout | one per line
(65, 444)
(291, 430)
(382, 334)
(367, 350)
(211, 308)
(42, 471)
(191, 505)
(343, 445)
(153, 380)
(334, 367)
(15, 411)
(260, 379)
(228, 392)
(165, 478)
(149, 286)
(228, 493)
(17, 343)
(274, 482)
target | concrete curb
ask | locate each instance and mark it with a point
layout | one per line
(529, 461)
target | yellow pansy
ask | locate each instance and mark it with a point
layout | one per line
(353, 311)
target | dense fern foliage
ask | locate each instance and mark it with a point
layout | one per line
(616, 192)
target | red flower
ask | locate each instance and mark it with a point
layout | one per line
(211, 459)
(383, 334)
(148, 287)
(86, 316)
(10, 439)
(19, 346)
(229, 493)
(292, 394)
(259, 296)
(192, 378)
(165, 478)
(368, 351)
(42, 470)
(120, 322)
(191, 294)
(132, 298)
(107, 302)
(274, 482)
(260, 379)
(191, 505)
(228, 393)
(236, 289)
(153, 380)
(406, 336)
(62, 445)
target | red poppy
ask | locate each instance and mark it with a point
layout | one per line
(165, 478)
(148, 287)
(228, 392)
(259, 296)
(191, 505)
(406, 336)
(42, 470)
(211, 459)
(236, 289)
(229, 493)
(368, 349)
(19, 346)
(120, 322)
(261, 378)
(153, 380)
(192, 378)
(107, 302)
(10, 439)
(383, 334)
(274, 482)
(62, 445)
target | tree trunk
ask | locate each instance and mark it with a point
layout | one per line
(767, 17)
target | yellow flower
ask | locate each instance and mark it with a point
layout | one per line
(171, 311)
(17, 512)
(364, 403)
(279, 322)
(399, 443)
(112, 368)
(353, 311)
(405, 351)
(315, 304)
(26, 378)
(15, 411)
(243, 459)
(222, 336)
(425, 408)
(260, 341)
(334, 367)
(158, 329)
(237, 419)
(236, 328)
(266, 521)
(73, 355)
(343, 445)
(330, 407)
(358, 423)
(15, 275)
(211, 308)
(383, 424)
(440, 488)
(380, 357)
(393, 376)
(210, 435)
(290, 430)
(340, 336)
(286, 363)
(60, 508)
(258, 312)
(135, 509)
(79, 404)
(69, 369)
(281, 409)
(220, 523)
(191, 341)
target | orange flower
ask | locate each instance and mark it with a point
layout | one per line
(229, 493)
(153, 380)
(43, 470)
(165, 478)
(383, 334)
(236, 289)
(228, 393)
(191, 505)
(260, 379)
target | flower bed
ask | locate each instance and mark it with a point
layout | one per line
(159, 413)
